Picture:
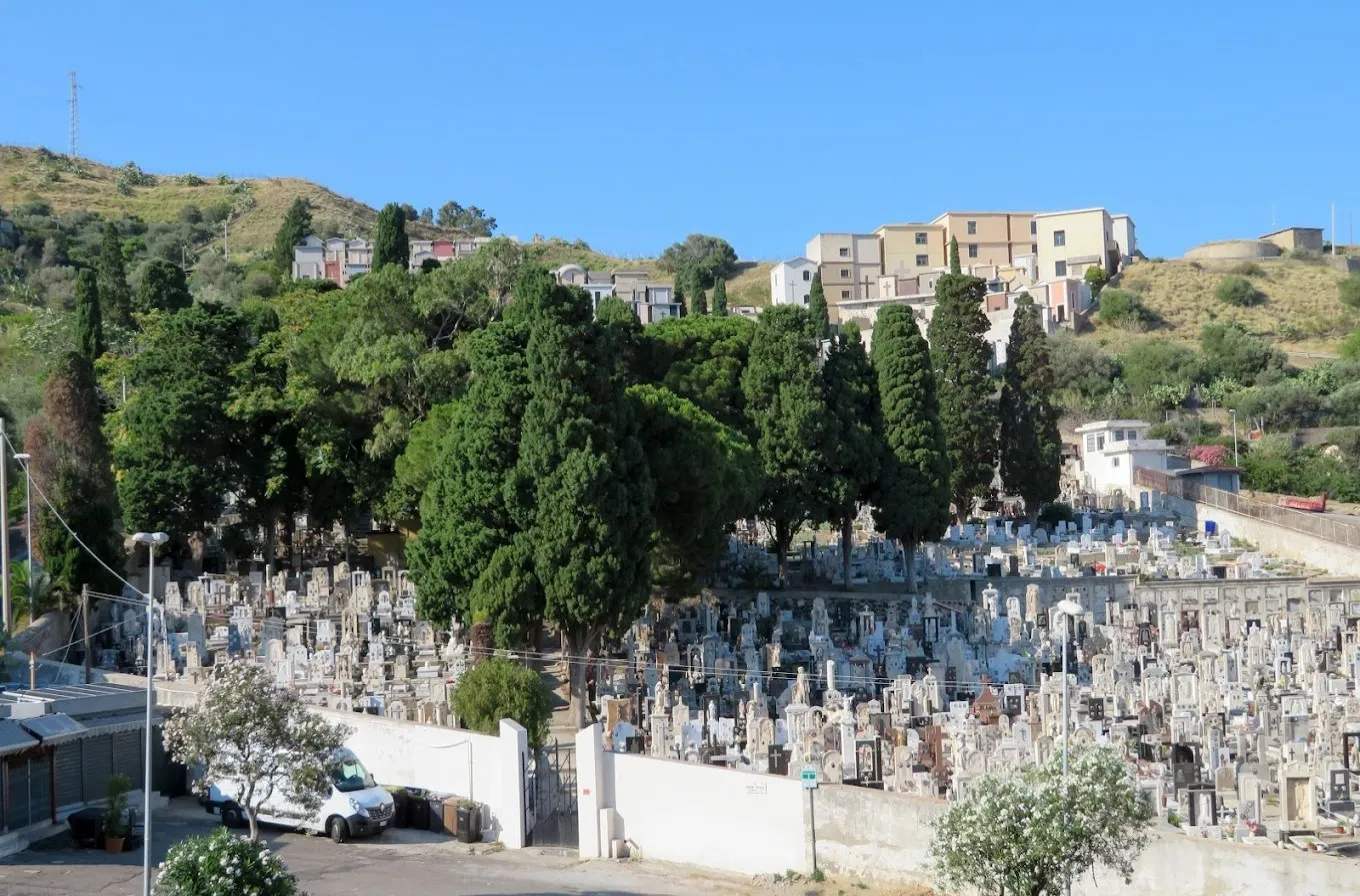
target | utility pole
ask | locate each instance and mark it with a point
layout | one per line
(85, 626)
(4, 533)
(73, 145)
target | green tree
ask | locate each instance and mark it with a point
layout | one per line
(854, 448)
(582, 484)
(821, 316)
(911, 503)
(172, 439)
(390, 244)
(961, 357)
(787, 415)
(114, 292)
(498, 689)
(698, 300)
(1150, 363)
(1228, 350)
(1023, 835)
(1096, 277)
(720, 298)
(702, 359)
(89, 320)
(471, 220)
(1031, 447)
(709, 258)
(163, 288)
(954, 266)
(508, 595)
(296, 226)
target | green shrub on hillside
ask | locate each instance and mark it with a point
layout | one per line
(1247, 269)
(1123, 308)
(1350, 291)
(1238, 291)
(1286, 405)
(1097, 277)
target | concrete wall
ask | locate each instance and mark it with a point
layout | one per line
(1337, 559)
(875, 835)
(1230, 249)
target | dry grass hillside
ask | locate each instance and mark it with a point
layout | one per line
(28, 174)
(1301, 310)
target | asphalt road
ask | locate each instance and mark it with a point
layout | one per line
(409, 863)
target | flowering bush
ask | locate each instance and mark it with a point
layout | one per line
(1210, 455)
(222, 864)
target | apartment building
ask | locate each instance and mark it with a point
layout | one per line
(999, 238)
(444, 250)
(850, 265)
(791, 281)
(1070, 242)
(651, 302)
(909, 249)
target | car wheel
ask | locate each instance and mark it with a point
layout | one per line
(337, 829)
(232, 817)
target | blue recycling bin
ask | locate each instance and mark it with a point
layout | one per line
(1210, 527)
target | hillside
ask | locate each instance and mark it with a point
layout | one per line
(28, 174)
(1301, 311)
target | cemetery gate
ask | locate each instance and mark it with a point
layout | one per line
(550, 798)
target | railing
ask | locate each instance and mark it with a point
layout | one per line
(1318, 525)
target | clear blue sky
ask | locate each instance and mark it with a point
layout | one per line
(631, 124)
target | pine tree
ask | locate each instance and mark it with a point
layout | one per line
(821, 317)
(911, 502)
(720, 298)
(390, 244)
(854, 447)
(954, 266)
(297, 224)
(114, 292)
(960, 356)
(1031, 448)
(89, 321)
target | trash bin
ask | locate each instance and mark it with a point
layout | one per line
(417, 814)
(434, 809)
(401, 808)
(469, 822)
(449, 816)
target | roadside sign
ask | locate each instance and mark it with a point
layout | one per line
(809, 779)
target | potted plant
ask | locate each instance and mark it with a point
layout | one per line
(115, 814)
(469, 821)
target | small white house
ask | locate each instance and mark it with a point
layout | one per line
(791, 282)
(1110, 450)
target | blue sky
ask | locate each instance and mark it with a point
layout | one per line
(631, 124)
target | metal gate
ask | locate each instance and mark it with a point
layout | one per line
(29, 789)
(554, 819)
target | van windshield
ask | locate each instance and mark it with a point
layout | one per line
(349, 775)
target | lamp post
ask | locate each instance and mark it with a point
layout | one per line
(1069, 608)
(151, 540)
(28, 526)
(1232, 412)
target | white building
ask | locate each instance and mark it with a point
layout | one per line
(791, 281)
(309, 259)
(1110, 450)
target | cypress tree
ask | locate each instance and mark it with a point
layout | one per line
(821, 317)
(114, 292)
(89, 321)
(163, 288)
(297, 224)
(960, 356)
(698, 304)
(1031, 448)
(720, 298)
(911, 501)
(954, 266)
(390, 244)
(855, 435)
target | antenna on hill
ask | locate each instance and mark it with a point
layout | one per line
(74, 145)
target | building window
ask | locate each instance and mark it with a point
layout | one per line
(845, 293)
(972, 250)
(922, 261)
(972, 227)
(1119, 435)
(845, 272)
(845, 253)
(1033, 227)
(807, 275)
(1060, 237)
(922, 238)
(1060, 269)
(805, 298)
(1090, 443)
(1114, 461)
(1100, 441)
(1034, 248)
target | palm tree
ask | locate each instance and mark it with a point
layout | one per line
(44, 599)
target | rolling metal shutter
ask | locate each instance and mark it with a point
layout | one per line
(96, 761)
(40, 787)
(70, 780)
(18, 793)
(127, 756)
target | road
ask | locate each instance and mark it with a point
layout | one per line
(411, 863)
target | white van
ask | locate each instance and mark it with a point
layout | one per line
(355, 806)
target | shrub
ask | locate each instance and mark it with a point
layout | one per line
(1157, 362)
(498, 689)
(1123, 308)
(191, 180)
(223, 864)
(1238, 291)
(1097, 277)
(1288, 404)
(1302, 254)
(1350, 291)
(1246, 269)
(261, 284)
(1167, 432)
(1350, 347)
(1344, 405)
(1055, 512)
(1213, 455)
(115, 809)
(1229, 351)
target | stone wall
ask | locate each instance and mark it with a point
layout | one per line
(1228, 250)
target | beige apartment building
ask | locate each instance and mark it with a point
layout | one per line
(1072, 241)
(850, 265)
(909, 249)
(989, 237)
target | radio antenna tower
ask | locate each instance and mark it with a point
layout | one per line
(74, 144)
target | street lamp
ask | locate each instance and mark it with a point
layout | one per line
(28, 526)
(152, 540)
(1232, 412)
(1069, 608)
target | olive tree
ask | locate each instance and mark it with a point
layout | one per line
(257, 736)
(1015, 836)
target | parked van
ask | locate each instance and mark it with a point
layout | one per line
(355, 806)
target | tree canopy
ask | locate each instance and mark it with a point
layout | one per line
(854, 448)
(961, 357)
(296, 226)
(89, 324)
(707, 258)
(720, 298)
(1031, 447)
(390, 243)
(821, 316)
(471, 220)
(498, 688)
